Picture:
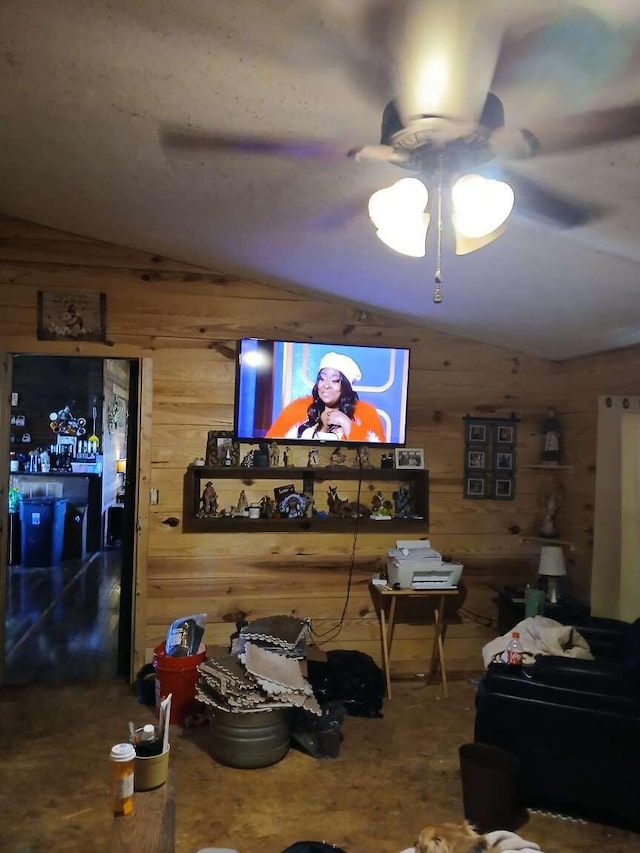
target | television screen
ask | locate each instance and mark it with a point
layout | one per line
(311, 392)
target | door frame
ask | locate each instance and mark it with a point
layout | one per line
(140, 511)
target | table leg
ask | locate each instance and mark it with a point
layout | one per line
(437, 651)
(385, 648)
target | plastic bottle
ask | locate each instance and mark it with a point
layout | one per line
(122, 763)
(514, 650)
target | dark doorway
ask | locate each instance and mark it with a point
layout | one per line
(69, 578)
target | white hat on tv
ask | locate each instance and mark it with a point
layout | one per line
(344, 364)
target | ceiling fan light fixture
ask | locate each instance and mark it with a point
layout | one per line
(398, 212)
(480, 206)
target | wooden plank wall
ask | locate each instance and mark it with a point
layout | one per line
(187, 320)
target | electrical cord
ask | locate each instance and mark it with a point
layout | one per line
(334, 631)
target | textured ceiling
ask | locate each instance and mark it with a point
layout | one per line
(85, 87)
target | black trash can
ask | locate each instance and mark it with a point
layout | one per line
(75, 532)
(42, 525)
(489, 784)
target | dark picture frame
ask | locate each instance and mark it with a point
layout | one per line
(476, 459)
(504, 460)
(218, 441)
(506, 434)
(71, 316)
(477, 433)
(504, 488)
(476, 487)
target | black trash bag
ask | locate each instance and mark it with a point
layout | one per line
(350, 677)
(313, 847)
(319, 736)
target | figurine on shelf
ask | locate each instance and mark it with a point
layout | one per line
(247, 460)
(338, 458)
(209, 499)
(242, 504)
(381, 507)
(274, 454)
(235, 452)
(314, 458)
(551, 447)
(548, 528)
(362, 458)
(286, 457)
(402, 502)
(267, 506)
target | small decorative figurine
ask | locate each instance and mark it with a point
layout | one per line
(402, 502)
(242, 504)
(235, 452)
(209, 500)
(362, 458)
(286, 457)
(313, 458)
(267, 506)
(274, 454)
(247, 460)
(551, 447)
(548, 528)
(338, 458)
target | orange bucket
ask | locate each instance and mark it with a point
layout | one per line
(178, 676)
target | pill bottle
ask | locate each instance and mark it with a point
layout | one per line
(121, 760)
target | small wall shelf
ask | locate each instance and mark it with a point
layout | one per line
(542, 467)
(548, 541)
(306, 480)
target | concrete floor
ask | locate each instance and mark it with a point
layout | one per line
(392, 776)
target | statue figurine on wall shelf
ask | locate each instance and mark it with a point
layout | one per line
(235, 452)
(242, 504)
(209, 500)
(338, 458)
(548, 528)
(362, 458)
(551, 448)
(314, 458)
(274, 454)
(286, 457)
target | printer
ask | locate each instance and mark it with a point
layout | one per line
(414, 564)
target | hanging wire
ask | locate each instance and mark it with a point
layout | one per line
(437, 291)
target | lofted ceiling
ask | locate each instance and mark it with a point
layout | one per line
(87, 86)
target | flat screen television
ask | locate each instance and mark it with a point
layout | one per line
(302, 392)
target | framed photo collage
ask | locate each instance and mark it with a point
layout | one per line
(490, 458)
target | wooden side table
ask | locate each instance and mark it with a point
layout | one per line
(387, 600)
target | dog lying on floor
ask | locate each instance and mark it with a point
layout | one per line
(462, 838)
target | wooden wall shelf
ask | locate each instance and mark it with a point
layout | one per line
(305, 480)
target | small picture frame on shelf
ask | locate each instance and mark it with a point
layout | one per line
(409, 457)
(476, 459)
(475, 487)
(504, 460)
(503, 488)
(219, 442)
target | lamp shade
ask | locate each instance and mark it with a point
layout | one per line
(398, 212)
(552, 561)
(121, 466)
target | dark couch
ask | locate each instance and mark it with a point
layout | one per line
(574, 725)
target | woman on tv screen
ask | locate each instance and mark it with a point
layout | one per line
(333, 411)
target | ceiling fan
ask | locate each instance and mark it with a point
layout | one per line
(445, 126)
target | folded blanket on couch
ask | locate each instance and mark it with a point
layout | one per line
(539, 635)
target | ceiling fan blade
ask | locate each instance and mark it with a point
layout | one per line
(185, 142)
(446, 53)
(580, 130)
(380, 153)
(534, 201)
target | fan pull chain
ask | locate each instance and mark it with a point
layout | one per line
(437, 291)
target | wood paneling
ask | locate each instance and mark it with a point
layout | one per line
(186, 321)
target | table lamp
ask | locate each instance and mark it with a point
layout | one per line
(121, 469)
(552, 567)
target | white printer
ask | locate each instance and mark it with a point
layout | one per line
(414, 564)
